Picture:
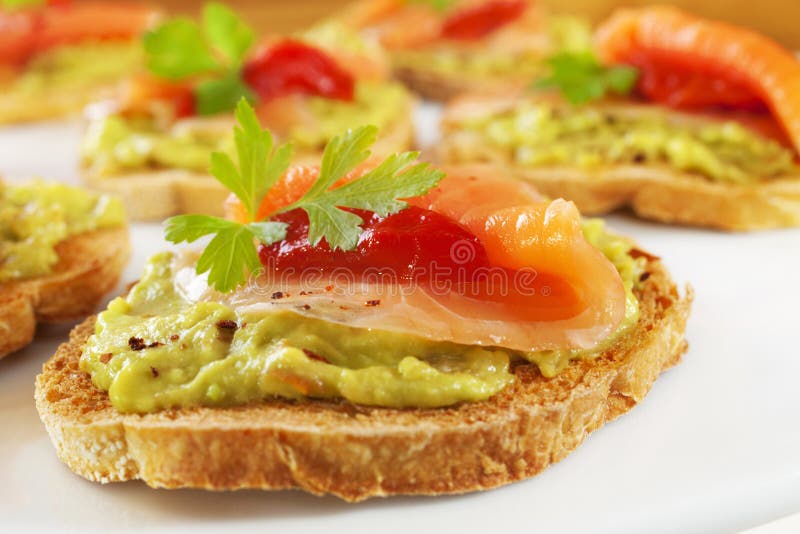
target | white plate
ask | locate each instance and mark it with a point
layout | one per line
(715, 447)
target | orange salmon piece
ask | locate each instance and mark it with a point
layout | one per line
(740, 66)
(520, 229)
(93, 21)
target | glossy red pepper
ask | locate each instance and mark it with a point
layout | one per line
(414, 244)
(295, 67)
(480, 20)
(18, 36)
(666, 81)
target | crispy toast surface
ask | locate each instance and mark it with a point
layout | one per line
(89, 267)
(357, 452)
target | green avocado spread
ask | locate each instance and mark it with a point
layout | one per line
(153, 350)
(562, 34)
(116, 145)
(75, 68)
(539, 134)
(35, 217)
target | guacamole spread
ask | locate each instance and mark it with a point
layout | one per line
(35, 217)
(562, 34)
(538, 134)
(75, 68)
(116, 145)
(154, 350)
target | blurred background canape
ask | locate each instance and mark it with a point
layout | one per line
(777, 18)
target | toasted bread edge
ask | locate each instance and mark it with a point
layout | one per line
(89, 267)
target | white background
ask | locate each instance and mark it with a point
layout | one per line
(715, 447)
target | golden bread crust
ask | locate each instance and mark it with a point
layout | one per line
(89, 267)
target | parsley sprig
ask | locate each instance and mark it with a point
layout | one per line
(12, 5)
(581, 78)
(438, 5)
(231, 253)
(180, 48)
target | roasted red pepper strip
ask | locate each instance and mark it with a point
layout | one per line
(664, 80)
(478, 21)
(291, 67)
(412, 245)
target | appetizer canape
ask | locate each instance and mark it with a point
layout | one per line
(61, 250)
(440, 48)
(686, 120)
(152, 144)
(363, 329)
(56, 56)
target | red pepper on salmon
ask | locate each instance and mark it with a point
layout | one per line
(292, 67)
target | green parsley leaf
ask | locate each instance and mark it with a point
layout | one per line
(177, 49)
(438, 5)
(341, 155)
(227, 33)
(226, 257)
(379, 190)
(180, 48)
(190, 228)
(341, 229)
(382, 189)
(230, 255)
(259, 165)
(222, 94)
(268, 232)
(581, 78)
(12, 5)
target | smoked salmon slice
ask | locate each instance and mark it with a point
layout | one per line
(570, 296)
(93, 21)
(687, 60)
(25, 33)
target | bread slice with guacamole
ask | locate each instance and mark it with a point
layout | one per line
(700, 170)
(356, 451)
(61, 251)
(441, 49)
(686, 120)
(180, 183)
(55, 59)
(363, 329)
(152, 144)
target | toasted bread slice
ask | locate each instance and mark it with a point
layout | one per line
(441, 87)
(357, 452)
(656, 192)
(18, 107)
(153, 195)
(89, 267)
